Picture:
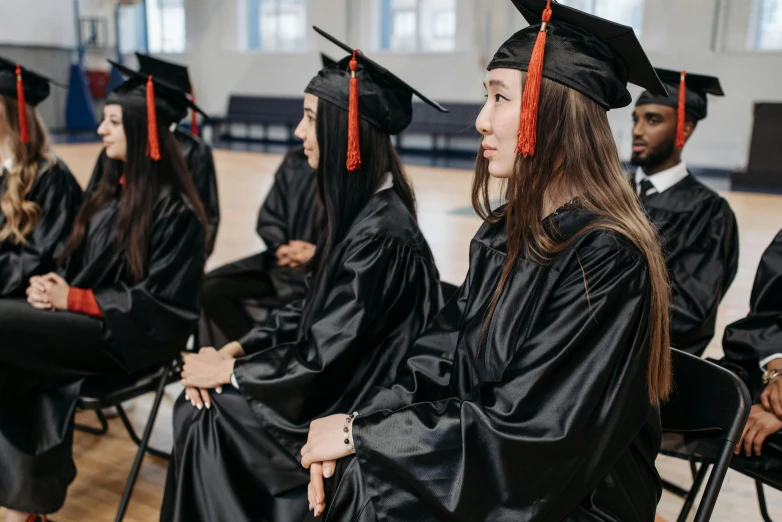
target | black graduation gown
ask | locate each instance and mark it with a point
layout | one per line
(240, 459)
(241, 294)
(701, 244)
(759, 335)
(550, 421)
(59, 196)
(199, 161)
(45, 356)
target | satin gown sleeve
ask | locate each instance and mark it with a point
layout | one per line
(161, 310)
(535, 444)
(759, 335)
(281, 327)
(201, 165)
(376, 282)
(59, 196)
(701, 274)
(425, 373)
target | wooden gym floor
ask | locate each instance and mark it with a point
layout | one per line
(244, 178)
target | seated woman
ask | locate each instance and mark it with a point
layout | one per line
(549, 409)
(39, 198)
(753, 347)
(195, 151)
(126, 298)
(375, 287)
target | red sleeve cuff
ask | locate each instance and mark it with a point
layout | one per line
(83, 302)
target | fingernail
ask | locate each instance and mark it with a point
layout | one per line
(310, 506)
(327, 471)
(219, 390)
(199, 406)
(208, 405)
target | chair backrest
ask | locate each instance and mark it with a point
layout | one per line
(709, 399)
(705, 397)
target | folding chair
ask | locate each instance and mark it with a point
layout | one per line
(98, 394)
(708, 404)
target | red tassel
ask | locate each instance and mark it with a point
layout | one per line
(193, 117)
(24, 129)
(354, 148)
(153, 150)
(528, 124)
(681, 111)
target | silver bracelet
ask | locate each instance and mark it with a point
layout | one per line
(348, 420)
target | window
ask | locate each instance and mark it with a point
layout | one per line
(166, 26)
(627, 12)
(132, 29)
(416, 25)
(768, 28)
(277, 25)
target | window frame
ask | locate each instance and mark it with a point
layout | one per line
(253, 43)
(385, 12)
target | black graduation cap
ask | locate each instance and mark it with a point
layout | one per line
(140, 91)
(170, 72)
(35, 86)
(327, 60)
(693, 102)
(589, 54)
(367, 90)
(25, 86)
(173, 74)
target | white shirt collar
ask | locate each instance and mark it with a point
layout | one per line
(388, 183)
(664, 180)
(8, 164)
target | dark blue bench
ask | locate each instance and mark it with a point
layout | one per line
(262, 111)
(459, 122)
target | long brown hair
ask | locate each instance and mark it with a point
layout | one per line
(576, 151)
(343, 194)
(144, 182)
(21, 215)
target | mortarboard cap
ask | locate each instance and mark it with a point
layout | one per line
(592, 55)
(174, 74)
(367, 90)
(687, 95)
(24, 86)
(161, 102)
(327, 60)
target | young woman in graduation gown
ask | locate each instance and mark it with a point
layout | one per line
(541, 402)
(196, 152)
(39, 198)
(126, 298)
(374, 289)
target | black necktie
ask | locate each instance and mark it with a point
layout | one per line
(647, 188)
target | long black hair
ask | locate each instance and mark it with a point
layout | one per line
(343, 194)
(144, 181)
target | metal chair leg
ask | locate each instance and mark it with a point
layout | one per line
(143, 444)
(693, 469)
(696, 487)
(762, 502)
(135, 438)
(670, 487)
(104, 425)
